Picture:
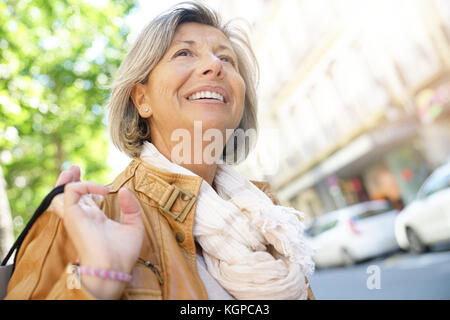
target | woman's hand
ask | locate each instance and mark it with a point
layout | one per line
(101, 242)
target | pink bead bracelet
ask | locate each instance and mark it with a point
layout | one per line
(104, 274)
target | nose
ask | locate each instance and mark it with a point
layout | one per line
(211, 67)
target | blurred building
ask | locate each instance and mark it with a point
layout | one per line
(354, 99)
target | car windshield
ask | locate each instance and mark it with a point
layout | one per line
(374, 212)
(439, 180)
(356, 212)
(320, 227)
(368, 209)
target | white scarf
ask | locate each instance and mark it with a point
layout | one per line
(253, 248)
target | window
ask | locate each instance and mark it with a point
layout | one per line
(372, 213)
(437, 182)
(320, 228)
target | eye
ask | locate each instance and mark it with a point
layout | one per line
(227, 59)
(182, 53)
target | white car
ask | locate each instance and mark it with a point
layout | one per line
(351, 234)
(426, 220)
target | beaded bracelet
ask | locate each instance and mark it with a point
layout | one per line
(104, 274)
(75, 270)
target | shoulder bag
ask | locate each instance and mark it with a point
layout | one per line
(6, 270)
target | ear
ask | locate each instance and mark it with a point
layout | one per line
(139, 97)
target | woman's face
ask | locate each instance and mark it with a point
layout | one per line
(196, 80)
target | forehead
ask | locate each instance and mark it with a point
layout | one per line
(200, 33)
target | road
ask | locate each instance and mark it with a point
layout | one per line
(401, 275)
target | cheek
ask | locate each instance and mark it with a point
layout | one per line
(167, 81)
(240, 89)
(160, 88)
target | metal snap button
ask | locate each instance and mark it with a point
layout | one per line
(179, 236)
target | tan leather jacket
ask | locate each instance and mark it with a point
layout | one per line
(166, 268)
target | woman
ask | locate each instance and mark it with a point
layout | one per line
(171, 226)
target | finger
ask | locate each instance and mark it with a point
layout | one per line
(90, 208)
(71, 175)
(130, 208)
(64, 177)
(57, 205)
(74, 190)
(76, 172)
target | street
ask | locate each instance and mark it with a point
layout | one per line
(401, 275)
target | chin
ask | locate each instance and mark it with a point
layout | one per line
(210, 123)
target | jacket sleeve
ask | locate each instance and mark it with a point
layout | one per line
(42, 260)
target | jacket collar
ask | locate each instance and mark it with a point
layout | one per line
(175, 194)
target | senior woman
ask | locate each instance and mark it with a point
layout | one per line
(167, 228)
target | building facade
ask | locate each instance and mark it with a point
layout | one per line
(354, 100)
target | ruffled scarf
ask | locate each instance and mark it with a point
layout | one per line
(252, 247)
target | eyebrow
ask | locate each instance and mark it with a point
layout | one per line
(192, 43)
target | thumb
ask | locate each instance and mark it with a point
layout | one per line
(130, 208)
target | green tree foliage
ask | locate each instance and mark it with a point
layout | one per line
(55, 59)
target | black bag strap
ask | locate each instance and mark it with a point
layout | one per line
(39, 211)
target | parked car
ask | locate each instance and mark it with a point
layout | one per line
(352, 234)
(426, 220)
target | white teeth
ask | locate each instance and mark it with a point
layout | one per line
(206, 94)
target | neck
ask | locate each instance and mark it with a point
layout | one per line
(204, 170)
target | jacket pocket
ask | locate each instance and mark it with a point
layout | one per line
(145, 283)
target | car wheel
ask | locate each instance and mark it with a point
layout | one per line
(348, 258)
(416, 244)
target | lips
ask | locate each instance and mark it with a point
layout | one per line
(208, 93)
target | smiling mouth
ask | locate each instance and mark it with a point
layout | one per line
(206, 96)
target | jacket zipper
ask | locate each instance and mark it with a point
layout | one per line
(149, 265)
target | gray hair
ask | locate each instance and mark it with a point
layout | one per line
(127, 128)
